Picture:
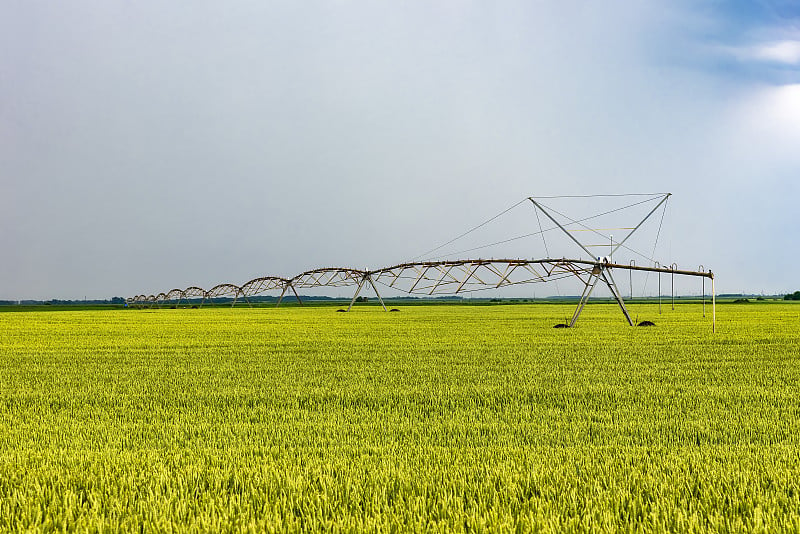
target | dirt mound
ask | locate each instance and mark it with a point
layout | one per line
(646, 323)
(394, 309)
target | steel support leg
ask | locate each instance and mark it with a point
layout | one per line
(376, 292)
(713, 307)
(587, 292)
(617, 295)
(282, 294)
(358, 290)
(296, 295)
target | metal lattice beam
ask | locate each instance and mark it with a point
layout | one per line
(427, 278)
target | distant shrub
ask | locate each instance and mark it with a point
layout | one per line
(792, 296)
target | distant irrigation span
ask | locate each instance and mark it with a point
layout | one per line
(454, 277)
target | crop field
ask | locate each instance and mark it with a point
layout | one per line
(437, 418)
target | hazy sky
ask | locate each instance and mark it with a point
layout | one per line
(150, 145)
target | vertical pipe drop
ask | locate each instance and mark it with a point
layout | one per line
(713, 305)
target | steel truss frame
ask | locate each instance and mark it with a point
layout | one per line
(449, 277)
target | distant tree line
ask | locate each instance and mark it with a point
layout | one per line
(792, 296)
(60, 302)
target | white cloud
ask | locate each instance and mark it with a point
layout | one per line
(771, 117)
(782, 104)
(786, 52)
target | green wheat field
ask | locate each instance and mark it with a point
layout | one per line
(441, 418)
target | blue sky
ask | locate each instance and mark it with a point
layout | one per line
(755, 41)
(148, 146)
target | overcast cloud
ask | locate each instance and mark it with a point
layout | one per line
(151, 145)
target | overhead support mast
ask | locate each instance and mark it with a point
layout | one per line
(619, 244)
(602, 267)
(547, 213)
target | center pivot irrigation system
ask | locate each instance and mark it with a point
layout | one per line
(459, 276)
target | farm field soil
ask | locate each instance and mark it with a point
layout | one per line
(440, 418)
